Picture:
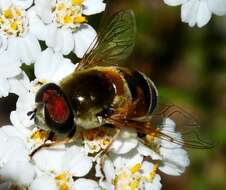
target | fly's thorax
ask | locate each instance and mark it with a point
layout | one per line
(93, 92)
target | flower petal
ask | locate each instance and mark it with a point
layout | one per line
(4, 87)
(44, 182)
(125, 142)
(109, 170)
(203, 15)
(22, 3)
(126, 160)
(26, 49)
(50, 159)
(83, 37)
(189, 12)
(72, 157)
(14, 150)
(64, 41)
(37, 27)
(218, 7)
(21, 173)
(9, 65)
(3, 42)
(57, 68)
(5, 4)
(43, 9)
(106, 185)
(155, 183)
(82, 184)
(175, 161)
(11, 131)
(93, 7)
(146, 151)
(32, 49)
(19, 84)
(51, 35)
(174, 2)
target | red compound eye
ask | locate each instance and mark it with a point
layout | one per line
(58, 113)
(58, 109)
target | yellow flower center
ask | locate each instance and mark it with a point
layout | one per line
(128, 179)
(153, 172)
(135, 168)
(13, 21)
(77, 2)
(63, 181)
(97, 139)
(69, 14)
(40, 135)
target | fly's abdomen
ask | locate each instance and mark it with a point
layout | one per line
(143, 91)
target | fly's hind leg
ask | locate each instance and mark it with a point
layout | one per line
(103, 153)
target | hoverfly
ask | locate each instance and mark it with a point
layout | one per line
(99, 93)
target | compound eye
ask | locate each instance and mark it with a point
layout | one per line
(42, 92)
(58, 113)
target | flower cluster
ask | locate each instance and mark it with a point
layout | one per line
(61, 24)
(81, 163)
(199, 12)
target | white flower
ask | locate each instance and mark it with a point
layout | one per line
(14, 158)
(9, 68)
(130, 172)
(56, 69)
(173, 158)
(99, 138)
(61, 159)
(52, 66)
(62, 24)
(88, 184)
(56, 161)
(15, 34)
(199, 11)
(59, 165)
(167, 156)
(125, 142)
(58, 183)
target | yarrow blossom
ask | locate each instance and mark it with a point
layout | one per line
(199, 12)
(9, 68)
(62, 24)
(96, 159)
(15, 34)
(65, 166)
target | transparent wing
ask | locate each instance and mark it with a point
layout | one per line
(114, 43)
(170, 124)
(180, 127)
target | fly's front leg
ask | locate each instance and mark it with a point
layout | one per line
(50, 144)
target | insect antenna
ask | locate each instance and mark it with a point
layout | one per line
(32, 114)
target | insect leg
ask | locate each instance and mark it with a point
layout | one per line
(106, 150)
(45, 145)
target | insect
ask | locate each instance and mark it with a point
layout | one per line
(98, 92)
